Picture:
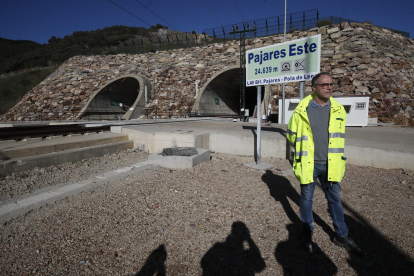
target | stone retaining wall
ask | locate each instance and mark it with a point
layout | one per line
(363, 59)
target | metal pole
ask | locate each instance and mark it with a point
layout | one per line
(259, 123)
(146, 95)
(269, 87)
(302, 90)
(283, 85)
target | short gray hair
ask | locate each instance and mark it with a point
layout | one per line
(317, 76)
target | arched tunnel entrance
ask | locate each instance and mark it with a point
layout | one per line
(121, 98)
(221, 95)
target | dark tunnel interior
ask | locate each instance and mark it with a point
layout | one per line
(222, 95)
(106, 104)
(251, 98)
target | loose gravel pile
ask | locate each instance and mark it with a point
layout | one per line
(218, 218)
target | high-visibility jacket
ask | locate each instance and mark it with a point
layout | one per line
(300, 136)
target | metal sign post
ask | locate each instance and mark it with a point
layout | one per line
(283, 85)
(302, 89)
(259, 165)
(259, 125)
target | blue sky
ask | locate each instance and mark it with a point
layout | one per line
(38, 20)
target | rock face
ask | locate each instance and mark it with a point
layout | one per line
(363, 60)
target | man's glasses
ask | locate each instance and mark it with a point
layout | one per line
(325, 85)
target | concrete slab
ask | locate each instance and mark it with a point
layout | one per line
(261, 166)
(5, 125)
(16, 165)
(179, 162)
(37, 146)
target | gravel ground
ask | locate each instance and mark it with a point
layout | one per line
(18, 184)
(218, 218)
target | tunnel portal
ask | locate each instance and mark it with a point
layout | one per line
(221, 96)
(114, 100)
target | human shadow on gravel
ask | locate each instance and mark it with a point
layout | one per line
(155, 264)
(382, 256)
(238, 255)
(298, 261)
(294, 259)
(281, 189)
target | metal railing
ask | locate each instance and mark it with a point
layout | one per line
(266, 26)
(150, 43)
(299, 21)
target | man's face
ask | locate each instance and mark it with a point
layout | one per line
(321, 90)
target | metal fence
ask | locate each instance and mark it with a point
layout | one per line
(151, 43)
(169, 40)
(299, 21)
(267, 26)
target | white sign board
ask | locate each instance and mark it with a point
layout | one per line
(296, 60)
(356, 109)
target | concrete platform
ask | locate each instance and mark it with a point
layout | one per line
(25, 155)
(376, 146)
(37, 146)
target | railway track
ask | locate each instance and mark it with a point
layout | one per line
(25, 132)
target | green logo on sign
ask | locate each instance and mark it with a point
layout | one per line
(217, 101)
(114, 103)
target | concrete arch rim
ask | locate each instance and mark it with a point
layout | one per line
(205, 85)
(142, 81)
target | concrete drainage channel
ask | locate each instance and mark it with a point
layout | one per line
(174, 158)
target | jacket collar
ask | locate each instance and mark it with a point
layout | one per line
(303, 104)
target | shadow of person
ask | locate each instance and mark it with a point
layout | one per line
(302, 262)
(155, 264)
(238, 255)
(382, 256)
(281, 189)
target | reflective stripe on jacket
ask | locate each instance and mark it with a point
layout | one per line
(300, 136)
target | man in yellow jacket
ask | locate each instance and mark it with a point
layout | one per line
(316, 131)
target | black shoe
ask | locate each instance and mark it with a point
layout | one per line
(347, 243)
(307, 239)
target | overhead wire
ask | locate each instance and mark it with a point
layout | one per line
(211, 12)
(156, 15)
(239, 10)
(129, 13)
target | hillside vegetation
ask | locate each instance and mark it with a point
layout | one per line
(21, 54)
(13, 89)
